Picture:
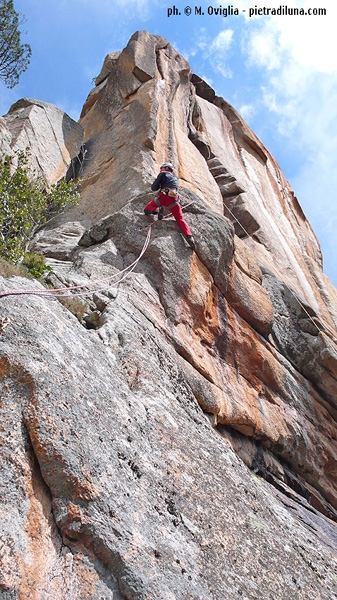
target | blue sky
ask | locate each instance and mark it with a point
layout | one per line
(279, 72)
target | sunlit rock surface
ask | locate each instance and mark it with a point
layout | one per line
(171, 437)
(51, 137)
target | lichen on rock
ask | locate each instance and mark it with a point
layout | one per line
(174, 436)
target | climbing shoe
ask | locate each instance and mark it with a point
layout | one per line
(190, 241)
(150, 212)
(160, 213)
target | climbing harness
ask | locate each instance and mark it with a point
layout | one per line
(115, 279)
(171, 195)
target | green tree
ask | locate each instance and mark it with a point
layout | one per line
(14, 56)
(26, 204)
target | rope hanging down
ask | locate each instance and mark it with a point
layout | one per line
(64, 292)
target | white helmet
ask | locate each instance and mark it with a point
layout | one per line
(167, 165)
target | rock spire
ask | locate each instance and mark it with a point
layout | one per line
(174, 436)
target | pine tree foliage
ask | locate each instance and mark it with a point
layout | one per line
(14, 56)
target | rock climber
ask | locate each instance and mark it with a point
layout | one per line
(167, 197)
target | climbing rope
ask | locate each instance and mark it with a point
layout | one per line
(117, 278)
(64, 292)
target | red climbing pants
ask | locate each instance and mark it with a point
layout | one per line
(167, 201)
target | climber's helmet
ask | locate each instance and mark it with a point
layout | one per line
(167, 165)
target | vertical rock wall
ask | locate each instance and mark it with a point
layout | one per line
(52, 138)
(261, 289)
(131, 413)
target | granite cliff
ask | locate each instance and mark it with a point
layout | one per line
(171, 436)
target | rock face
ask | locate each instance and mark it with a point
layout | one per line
(52, 137)
(171, 436)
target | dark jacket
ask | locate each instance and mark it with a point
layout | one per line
(165, 180)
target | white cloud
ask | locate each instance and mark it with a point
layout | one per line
(219, 52)
(223, 41)
(292, 75)
(247, 110)
(261, 45)
(297, 60)
(310, 40)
